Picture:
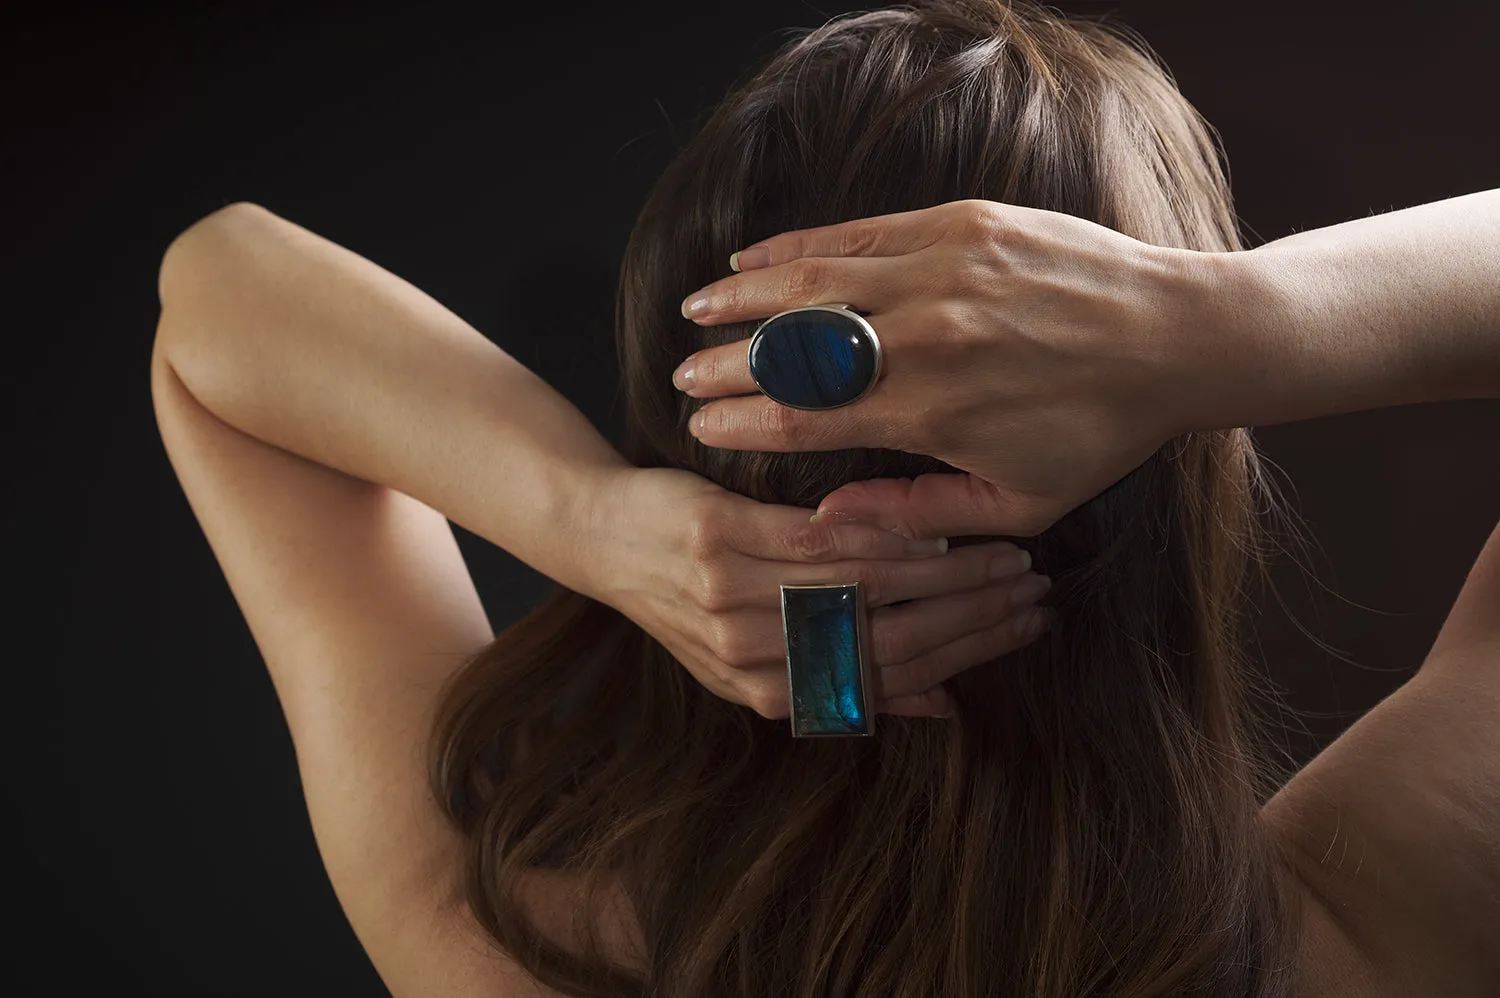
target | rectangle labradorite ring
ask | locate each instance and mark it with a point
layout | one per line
(828, 672)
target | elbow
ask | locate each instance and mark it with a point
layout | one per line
(190, 243)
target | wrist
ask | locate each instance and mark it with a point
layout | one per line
(1231, 356)
(1189, 335)
(588, 527)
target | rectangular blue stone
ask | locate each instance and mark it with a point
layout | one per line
(827, 670)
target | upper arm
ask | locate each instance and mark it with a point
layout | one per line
(361, 605)
(1396, 824)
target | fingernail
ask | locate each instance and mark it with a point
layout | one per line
(834, 516)
(700, 418)
(1029, 590)
(1009, 563)
(921, 547)
(683, 376)
(692, 307)
(749, 259)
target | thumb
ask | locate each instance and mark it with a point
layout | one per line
(938, 505)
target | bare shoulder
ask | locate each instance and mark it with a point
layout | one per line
(1396, 825)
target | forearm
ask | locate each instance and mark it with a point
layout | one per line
(308, 346)
(1395, 308)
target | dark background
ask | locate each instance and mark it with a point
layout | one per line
(496, 158)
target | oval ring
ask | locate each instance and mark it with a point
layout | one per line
(815, 357)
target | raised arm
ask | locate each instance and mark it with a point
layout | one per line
(323, 416)
(304, 332)
(1397, 823)
(1378, 311)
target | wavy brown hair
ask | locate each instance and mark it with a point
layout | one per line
(1088, 824)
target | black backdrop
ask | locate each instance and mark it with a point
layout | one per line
(496, 157)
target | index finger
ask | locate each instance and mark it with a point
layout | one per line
(892, 234)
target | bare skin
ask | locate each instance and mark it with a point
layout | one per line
(326, 419)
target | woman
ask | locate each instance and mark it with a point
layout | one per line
(1037, 224)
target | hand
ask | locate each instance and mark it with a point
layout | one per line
(1029, 348)
(699, 568)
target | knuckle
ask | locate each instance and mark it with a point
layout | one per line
(780, 426)
(946, 313)
(725, 643)
(804, 278)
(719, 419)
(714, 588)
(978, 218)
(858, 237)
(814, 543)
(707, 366)
(705, 532)
(732, 297)
(767, 702)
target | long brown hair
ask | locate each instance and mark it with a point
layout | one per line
(1088, 823)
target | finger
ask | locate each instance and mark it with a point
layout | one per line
(784, 533)
(787, 533)
(966, 652)
(876, 235)
(933, 505)
(936, 702)
(754, 422)
(883, 582)
(904, 633)
(725, 369)
(748, 632)
(720, 370)
(865, 284)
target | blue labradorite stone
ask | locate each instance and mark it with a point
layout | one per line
(817, 359)
(823, 663)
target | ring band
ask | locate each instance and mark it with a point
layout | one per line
(828, 671)
(815, 357)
